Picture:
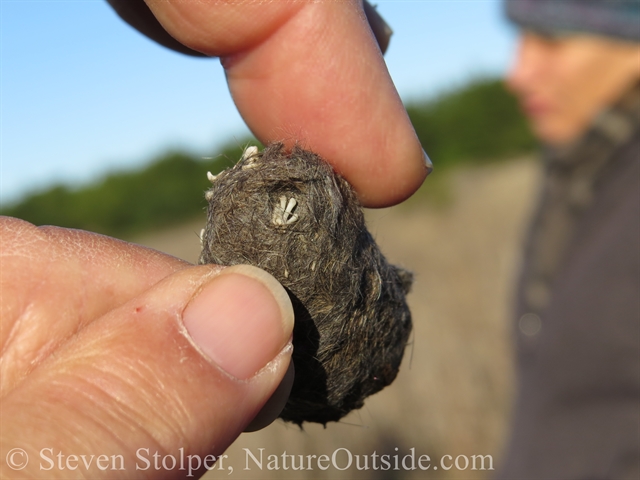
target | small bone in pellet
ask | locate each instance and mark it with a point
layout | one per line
(293, 216)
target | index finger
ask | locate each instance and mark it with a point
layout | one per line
(310, 73)
(55, 281)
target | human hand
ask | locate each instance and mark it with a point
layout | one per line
(108, 348)
(308, 72)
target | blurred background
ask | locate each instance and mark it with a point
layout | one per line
(103, 130)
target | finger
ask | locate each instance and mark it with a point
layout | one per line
(276, 403)
(186, 365)
(310, 72)
(55, 281)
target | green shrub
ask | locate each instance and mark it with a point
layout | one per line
(476, 123)
(169, 190)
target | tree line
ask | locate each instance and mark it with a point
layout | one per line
(475, 123)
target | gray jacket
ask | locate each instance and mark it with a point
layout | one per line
(577, 414)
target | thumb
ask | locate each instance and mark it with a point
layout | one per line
(178, 371)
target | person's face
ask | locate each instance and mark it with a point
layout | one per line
(564, 82)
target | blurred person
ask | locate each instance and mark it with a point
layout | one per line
(108, 347)
(577, 76)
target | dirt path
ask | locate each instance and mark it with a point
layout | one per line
(453, 393)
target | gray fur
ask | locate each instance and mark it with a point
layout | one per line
(352, 321)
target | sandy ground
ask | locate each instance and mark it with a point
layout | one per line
(454, 391)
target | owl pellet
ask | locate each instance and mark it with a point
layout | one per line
(293, 216)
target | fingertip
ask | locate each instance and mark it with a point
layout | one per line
(240, 320)
(274, 287)
(276, 403)
(389, 177)
(427, 162)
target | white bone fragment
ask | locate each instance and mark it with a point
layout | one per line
(288, 216)
(283, 213)
(249, 152)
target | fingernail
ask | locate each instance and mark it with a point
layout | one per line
(241, 320)
(427, 162)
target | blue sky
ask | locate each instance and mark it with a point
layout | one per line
(83, 94)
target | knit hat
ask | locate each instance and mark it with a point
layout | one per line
(612, 18)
